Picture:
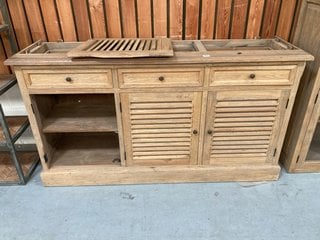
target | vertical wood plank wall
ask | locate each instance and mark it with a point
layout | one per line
(79, 20)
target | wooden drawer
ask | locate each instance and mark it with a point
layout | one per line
(253, 75)
(175, 77)
(55, 80)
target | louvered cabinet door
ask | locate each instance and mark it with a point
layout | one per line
(242, 126)
(161, 128)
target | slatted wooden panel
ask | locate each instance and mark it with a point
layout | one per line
(244, 128)
(151, 138)
(123, 47)
(72, 20)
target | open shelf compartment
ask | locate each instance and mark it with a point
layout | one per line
(77, 113)
(82, 149)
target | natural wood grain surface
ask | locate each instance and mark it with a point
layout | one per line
(85, 149)
(144, 18)
(225, 120)
(286, 12)
(157, 174)
(54, 81)
(159, 143)
(246, 76)
(81, 19)
(74, 118)
(113, 18)
(208, 19)
(50, 19)
(255, 17)
(128, 18)
(160, 18)
(65, 13)
(97, 17)
(175, 16)
(80, 11)
(242, 146)
(185, 52)
(238, 25)
(192, 19)
(137, 78)
(272, 10)
(124, 48)
(223, 19)
(19, 22)
(35, 20)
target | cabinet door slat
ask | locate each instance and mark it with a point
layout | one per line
(243, 129)
(161, 129)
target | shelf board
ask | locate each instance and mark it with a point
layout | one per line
(87, 149)
(78, 118)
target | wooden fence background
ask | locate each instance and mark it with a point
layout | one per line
(79, 20)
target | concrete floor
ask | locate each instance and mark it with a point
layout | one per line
(286, 209)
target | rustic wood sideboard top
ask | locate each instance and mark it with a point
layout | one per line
(185, 52)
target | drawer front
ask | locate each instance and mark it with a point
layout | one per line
(68, 79)
(131, 78)
(255, 75)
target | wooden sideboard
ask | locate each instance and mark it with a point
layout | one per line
(215, 111)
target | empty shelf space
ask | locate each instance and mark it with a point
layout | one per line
(84, 149)
(66, 118)
(77, 113)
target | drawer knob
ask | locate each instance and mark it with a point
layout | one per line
(195, 131)
(161, 78)
(252, 76)
(209, 132)
(68, 79)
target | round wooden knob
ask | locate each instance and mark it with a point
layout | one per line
(195, 132)
(161, 78)
(68, 79)
(210, 132)
(252, 76)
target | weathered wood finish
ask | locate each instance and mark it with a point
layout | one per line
(242, 126)
(163, 128)
(194, 117)
(124, 48)
(54, 20)
(306, 111)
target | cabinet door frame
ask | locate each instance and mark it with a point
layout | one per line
(274, 141)
(196, 97)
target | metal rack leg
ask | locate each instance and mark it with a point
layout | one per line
(11, 146)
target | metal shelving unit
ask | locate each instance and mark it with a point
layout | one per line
(9, 143)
